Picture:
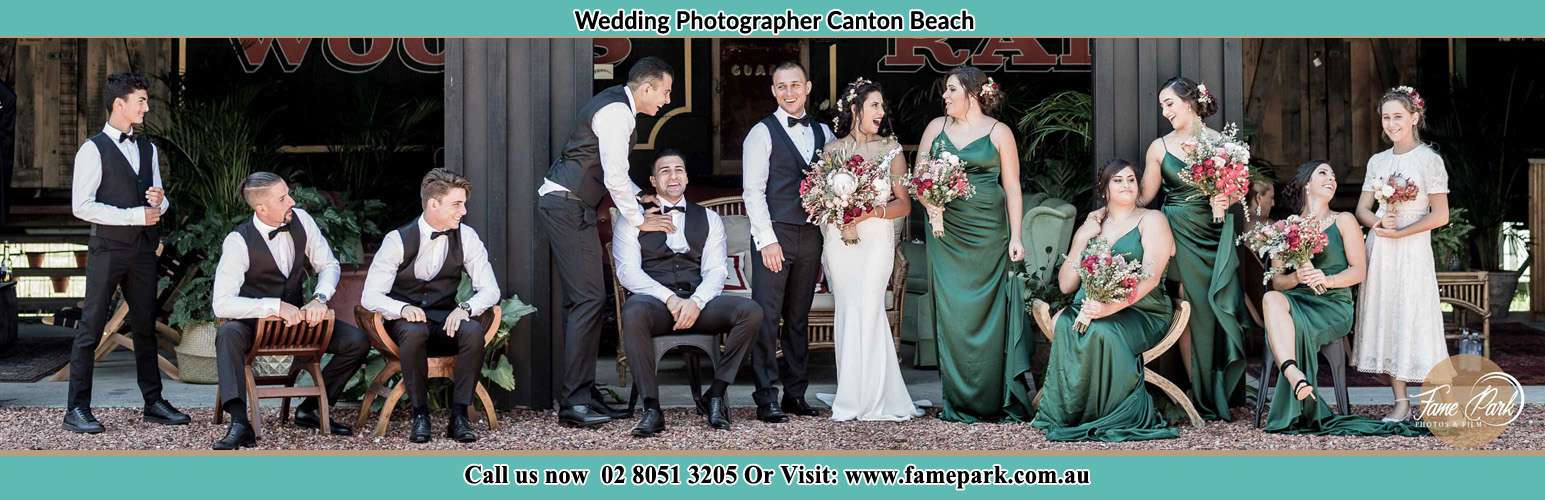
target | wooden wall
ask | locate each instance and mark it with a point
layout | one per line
(58, 84)
(1127, 75)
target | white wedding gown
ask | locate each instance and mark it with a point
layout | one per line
(869, 383)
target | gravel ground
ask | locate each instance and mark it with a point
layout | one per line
(39, 429)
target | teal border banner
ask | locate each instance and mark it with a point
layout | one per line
(431, 477)
(519, 18)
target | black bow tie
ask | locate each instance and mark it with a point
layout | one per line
(445, 233)
(132, 138)
(799, 121)
(669, 208)
(281, 229)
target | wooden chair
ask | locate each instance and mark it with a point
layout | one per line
(439, 367)
(176, 268)
(1042, 313)
(1469, 293)
(307, 343)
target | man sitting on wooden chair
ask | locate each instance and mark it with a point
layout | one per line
(263, 264)
(676, 279)
(412, 284)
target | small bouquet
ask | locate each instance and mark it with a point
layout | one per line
(1219, 165)
(1394, 190)
(1105, 277)
(940, 181)
(839, 188)
(1289, 243)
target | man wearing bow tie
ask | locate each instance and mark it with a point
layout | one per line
(117, 188)
(263, 264)
(412, 283)
(787, 262)
(675, 279)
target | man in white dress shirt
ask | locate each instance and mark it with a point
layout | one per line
(117, 188)
(412, 282)
(593, 167)
(263, 265)
(787, 261)
(675, 279)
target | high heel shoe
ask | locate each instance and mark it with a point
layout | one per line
(1301, 384)
(1403, 417)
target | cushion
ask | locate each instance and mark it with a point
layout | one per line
(735, 280)
(737, 232)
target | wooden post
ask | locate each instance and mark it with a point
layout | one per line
(1536, 229)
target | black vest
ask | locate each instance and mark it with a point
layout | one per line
(263, 279)
(785, 169)
(438, 292)
(122, 188)
(579, 167)
(680, 272)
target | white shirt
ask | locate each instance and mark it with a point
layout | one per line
(755, 156)
(431, 257)
(629, 262)
(88, 177)
(612, 124)
(231, 272)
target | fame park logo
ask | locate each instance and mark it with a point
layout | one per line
(1468, 401)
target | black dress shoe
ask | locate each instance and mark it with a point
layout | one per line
(80, 420)
(768, 412)
(419, 432)
(460, 428)
(162, 412)
(798, 406)
(581, 416)
(309, 418)
(239, 434)
(718, 413)
(653, 422)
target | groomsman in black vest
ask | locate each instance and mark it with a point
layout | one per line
(787, 262)
(412, 282)
(117, 188)
(263, 265)
(593, 166)
(676, 279)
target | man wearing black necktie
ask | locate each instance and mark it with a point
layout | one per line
(675, 279)
(117, 188)
(787, 260)
(412, 283)
(263, 265)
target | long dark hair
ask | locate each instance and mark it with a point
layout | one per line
(971, 80)
(1103, 176)
(1191, 93)
(1293, 196)
(852, 99)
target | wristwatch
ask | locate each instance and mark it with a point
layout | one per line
(320, 297)
(465, 306)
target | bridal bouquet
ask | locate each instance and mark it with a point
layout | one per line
(839, 188)
(1394, 190)
(1289, 243)
(1219, 165)
(1105, 277)
(940, 181)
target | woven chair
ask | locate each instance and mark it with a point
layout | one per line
(439, 367)
(307, 343)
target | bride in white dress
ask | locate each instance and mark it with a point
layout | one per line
(869, 383)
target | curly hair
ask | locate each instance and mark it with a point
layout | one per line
(1414, 104)
(849, 102)
(974, 81)
(1196, 95)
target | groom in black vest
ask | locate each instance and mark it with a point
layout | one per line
(592, 167)
(117, 188)
(676, 279)
(776, 153)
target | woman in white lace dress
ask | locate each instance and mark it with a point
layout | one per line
(1399, 324)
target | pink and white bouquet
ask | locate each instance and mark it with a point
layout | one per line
(1395, 189)
(1289, 243)
(940, 181)
(839, 188)
(1218, 165)
(1106, 277)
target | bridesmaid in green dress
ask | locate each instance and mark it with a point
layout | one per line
(1094, 380)
(1213, 345)
(984, 359)
(1299, 321)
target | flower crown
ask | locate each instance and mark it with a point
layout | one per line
(1206, 97)
(991, 88)
(1410, 93)
(848, 98)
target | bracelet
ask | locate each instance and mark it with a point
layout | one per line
(883, 211)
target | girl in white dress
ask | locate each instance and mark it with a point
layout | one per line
(1399, 324)
(869, 383)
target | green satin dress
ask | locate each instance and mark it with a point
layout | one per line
(1320, 320)
(1094, 390)
(1208, 272)
(979, 315)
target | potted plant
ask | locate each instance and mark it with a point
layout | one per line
(1450, 241)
